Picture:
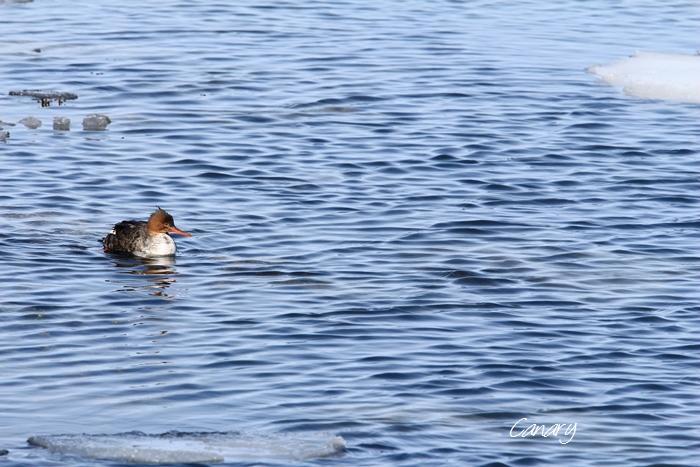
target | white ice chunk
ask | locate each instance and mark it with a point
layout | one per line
(96, 122)
(31, 122)
(205, 448)
(61, 123)
(653, 75)
(127, 448)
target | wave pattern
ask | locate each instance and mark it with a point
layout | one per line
(410, 230)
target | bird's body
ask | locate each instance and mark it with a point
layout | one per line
(145, 239)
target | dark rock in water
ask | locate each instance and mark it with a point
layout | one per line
(96, 122)
(61, 123)
(31, 122)
(4, 452)
(46, 97)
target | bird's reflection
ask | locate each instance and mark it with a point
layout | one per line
(158, 273)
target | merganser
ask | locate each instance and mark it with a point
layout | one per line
(141, 238)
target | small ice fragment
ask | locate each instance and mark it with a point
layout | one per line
(31, 122)
(61, 123)
(95, 122)
(3, 136)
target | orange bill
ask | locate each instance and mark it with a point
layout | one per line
(181, 232)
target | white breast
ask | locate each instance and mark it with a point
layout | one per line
(158, 245)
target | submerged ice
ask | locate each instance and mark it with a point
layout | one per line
(652, 75)
(207, 448)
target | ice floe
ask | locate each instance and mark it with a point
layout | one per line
(654, 75)
(177, 448)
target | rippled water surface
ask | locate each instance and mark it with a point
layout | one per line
(415, 223)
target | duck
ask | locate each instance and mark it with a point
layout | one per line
(145, 239)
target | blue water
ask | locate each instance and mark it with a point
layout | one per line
(415, 224)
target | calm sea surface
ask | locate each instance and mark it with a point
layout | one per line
(415, 223)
